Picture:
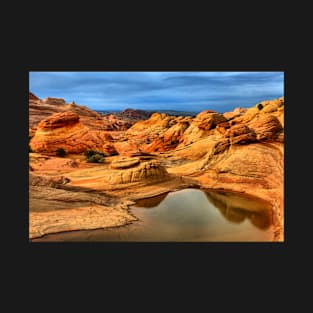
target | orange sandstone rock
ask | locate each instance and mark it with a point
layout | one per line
(64, 130)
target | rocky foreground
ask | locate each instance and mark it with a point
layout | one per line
(241, 151)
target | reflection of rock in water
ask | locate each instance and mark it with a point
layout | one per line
(262, 220)
(232, 214)
(151, 202)
(237, 208)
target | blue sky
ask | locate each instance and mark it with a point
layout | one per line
(186, 91)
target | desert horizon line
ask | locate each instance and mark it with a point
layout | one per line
(154, 109)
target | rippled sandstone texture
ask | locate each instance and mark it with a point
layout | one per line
(242, 151)
(65, 131)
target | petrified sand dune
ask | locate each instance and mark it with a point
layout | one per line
(64, 130)
(207, 120)
(169, 139)
(163, 133)
(240, 134)
(266, 127)
(58, 120)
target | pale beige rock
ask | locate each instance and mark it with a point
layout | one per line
(89, 217)
(150, 170)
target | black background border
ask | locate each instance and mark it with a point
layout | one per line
(261, 263)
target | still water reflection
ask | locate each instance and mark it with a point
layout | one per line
(188, 215)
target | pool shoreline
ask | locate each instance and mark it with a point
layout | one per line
(133, 200)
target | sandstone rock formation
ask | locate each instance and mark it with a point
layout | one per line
(170, 138)
(163, 132)
(64, 130)
(56, 207)
(223, 127)
(156, 124)
(266, 127)
(201, 126)
(240, 134)
(207, 120)
(58, 120)
(112, 122)
(148, 135)
(240, 150)
(45, 163)
(150, 170)
(41, 109)
(36, 180)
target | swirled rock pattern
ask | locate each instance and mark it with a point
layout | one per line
(64, 131)
(150, 170)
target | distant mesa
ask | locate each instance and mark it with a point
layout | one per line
(208, 111)
(134, 114)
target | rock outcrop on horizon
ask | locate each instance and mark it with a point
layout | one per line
(31, 96)
(134, 115)
(42, 109)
